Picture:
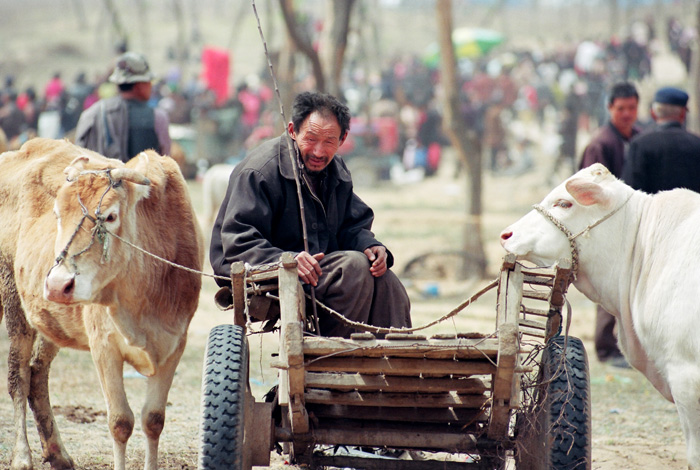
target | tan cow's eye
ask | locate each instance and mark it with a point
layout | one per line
(111, 217)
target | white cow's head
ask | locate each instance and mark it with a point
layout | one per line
(583, 201)
(94, 204)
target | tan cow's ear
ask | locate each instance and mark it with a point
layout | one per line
(73, 170)
(585, 192)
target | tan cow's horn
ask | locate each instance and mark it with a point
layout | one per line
(131, 175)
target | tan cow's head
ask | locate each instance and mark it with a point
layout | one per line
(96, 205)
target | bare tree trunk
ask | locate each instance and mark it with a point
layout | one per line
(117, 25)
(614, 17)
(302, 43)
(334, 41)
(80, 13)
(142, 7)
(463, 139)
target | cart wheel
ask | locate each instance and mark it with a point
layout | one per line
(223, 400)
(558, 436)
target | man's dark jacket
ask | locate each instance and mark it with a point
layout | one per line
(259, 218)
(665, 158)
(607, 147)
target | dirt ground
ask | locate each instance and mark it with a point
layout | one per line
(633, 427)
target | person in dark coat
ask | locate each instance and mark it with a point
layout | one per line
(260, 219)
(667, 156)
(608, 147)
(124, 125)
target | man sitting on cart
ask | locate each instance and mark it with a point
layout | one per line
(260, 218)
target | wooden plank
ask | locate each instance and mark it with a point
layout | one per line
(510, 301)
(539, 279)
(463, 348)
(503, 381)
(398, 435)
(291, 338)
(538, 312)
(461, 416)
(395, 400)
(536, 295)
(401, 366)
(561, 283)
(535, 324)
(238, 292)
(347, 382)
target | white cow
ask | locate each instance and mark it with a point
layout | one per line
(214, 185)
(638, 258)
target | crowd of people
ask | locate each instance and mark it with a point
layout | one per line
(395, 112)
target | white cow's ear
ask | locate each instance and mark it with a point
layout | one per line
(585, 192)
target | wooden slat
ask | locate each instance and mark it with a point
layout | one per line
(510, 298)
(535, 311)
(462, 416)
(535, 332)
(400, 366)
(536, 294)
(462, 348)
(558, 296)
(238, 292)
(538, 280)
(398, 435)
(291, 338)
(347, 382)
(395, 400)
(536, 324)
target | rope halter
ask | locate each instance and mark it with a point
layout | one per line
(571, 236)
(99, 231)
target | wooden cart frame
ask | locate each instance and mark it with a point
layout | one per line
(489, 396)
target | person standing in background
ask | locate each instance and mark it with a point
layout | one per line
(608, 147)
(667, 156)
(123, 126)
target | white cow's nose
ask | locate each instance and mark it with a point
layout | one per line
(505, 236)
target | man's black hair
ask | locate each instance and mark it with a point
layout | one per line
(622, 90)
(126, 86)
(307, 102)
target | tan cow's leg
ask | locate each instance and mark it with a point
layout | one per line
(19, 374)
(153, 411)
(53, 450)
(110, 369)
(18, 383)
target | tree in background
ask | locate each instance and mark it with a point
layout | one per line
(463, 138)
(326, 63)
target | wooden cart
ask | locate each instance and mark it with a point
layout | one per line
(517, 397)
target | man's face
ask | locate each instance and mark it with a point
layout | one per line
(318, 139)
(623, 114)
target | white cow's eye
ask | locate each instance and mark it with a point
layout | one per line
(563, 203)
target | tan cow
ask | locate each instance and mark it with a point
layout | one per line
(71, 275)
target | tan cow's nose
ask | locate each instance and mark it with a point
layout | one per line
(59, 289)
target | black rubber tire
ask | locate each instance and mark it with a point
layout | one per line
(224, 383)
(561, 437)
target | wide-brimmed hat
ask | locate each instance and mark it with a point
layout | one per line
(131, 67)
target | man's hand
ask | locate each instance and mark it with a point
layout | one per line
(377, 256)
(308, 267)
